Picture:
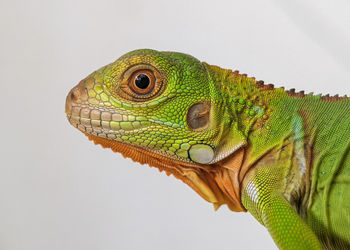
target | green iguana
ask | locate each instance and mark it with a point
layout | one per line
(281, 155)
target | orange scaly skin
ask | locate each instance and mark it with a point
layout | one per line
(232, 139)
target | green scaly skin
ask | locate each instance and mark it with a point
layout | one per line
(294, 173)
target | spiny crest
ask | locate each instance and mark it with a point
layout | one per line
(292, 92)
(226, 74)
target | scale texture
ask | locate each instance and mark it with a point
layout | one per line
(280, 155)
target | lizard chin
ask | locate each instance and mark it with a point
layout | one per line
(217, 183)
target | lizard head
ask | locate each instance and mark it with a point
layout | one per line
(163, 109)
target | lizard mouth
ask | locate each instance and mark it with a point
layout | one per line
(103, 122)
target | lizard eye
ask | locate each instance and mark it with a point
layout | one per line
(142, 82)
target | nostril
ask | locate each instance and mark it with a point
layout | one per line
(75, 95)
(72, 96)
(68, 107)
(79, 94)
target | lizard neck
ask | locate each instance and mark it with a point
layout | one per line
(274, 120)
(258, 111)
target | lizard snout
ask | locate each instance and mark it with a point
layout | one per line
(78, 94)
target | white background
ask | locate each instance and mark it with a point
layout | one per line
(59, 191)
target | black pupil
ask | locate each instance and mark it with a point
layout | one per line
(142, 81)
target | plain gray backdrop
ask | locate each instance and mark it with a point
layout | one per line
(59, 191)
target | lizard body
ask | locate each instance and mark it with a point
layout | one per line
(282, 156)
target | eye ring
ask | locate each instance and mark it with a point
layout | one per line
(152, 85)
(142, 82)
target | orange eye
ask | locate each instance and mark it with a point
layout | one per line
(142, 82)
